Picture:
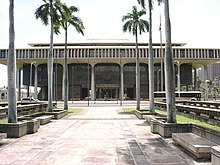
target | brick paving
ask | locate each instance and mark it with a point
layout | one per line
(100, 136)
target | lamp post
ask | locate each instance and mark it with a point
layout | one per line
(33, 62)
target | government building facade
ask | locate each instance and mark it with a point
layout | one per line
(102, 70)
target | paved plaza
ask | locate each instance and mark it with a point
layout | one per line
(101, 135)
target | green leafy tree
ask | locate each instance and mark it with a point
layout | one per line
(151, 55)
(134, 24)
(65, 22)
(12, 105)
(51, 11)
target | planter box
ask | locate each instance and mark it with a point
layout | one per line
(166, 129)
(14, 130)
(140, 113)
(57, 114)
(215, 155)
(149, 118)
(32, 126)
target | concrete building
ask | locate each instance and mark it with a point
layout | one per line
(213, 71)
(106, 69)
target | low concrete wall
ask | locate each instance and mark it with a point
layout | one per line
(33, 126)
(57, 114)
(14, 130)
(209, 134)
(166, 129)
(140, 113)
(215, 155)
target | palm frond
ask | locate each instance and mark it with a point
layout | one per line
(43, 13)
(74, 9)
(126, 17)
(77, 23)
(56, 28)
(127, 26)
(142, 2)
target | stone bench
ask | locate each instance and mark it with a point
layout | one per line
(197, 145)
(44, 119)
(215, 155)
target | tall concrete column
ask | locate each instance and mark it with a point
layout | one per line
(19, 84)
(205, 73)
(93, 84)
(63, 84)
(178, 76)
(35, 81)
(122, 84)
(195, 79)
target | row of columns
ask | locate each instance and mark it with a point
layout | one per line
(93, 95)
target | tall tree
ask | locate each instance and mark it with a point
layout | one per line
(151, 55)
(65, 22)
(133, 24)
(169, 68)
(12, 105)
(51, 10)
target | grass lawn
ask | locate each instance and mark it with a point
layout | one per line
(73, 111)
(179, 118)
(4, 121)
(128, 110)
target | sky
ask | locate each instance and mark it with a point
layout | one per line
(195, 22)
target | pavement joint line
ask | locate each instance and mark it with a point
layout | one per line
(102, 119)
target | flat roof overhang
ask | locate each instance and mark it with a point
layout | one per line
(103, 44)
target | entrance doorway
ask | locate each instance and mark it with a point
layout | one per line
(107, 93)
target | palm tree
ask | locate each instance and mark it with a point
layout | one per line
(76, 22)
(134, 22)
(151, 55)
(12, 105)
(53, 10)
(169, 67)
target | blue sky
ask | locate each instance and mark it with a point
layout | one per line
(195, 22)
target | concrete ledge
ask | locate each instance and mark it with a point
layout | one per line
(44, 119)
(3, 135)
(14, 130)
(197, 145)
(33, 126)
(57, 114)
(166, 129)
(149, 118)
(140, 113)
(215, 155)
(209, 134)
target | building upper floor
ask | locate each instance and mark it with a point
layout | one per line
(115, 52)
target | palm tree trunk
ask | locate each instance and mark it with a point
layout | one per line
(50, 71)
(151, 61)
(137, 74)
(12, 105)
(65, 74)
(169, 69)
